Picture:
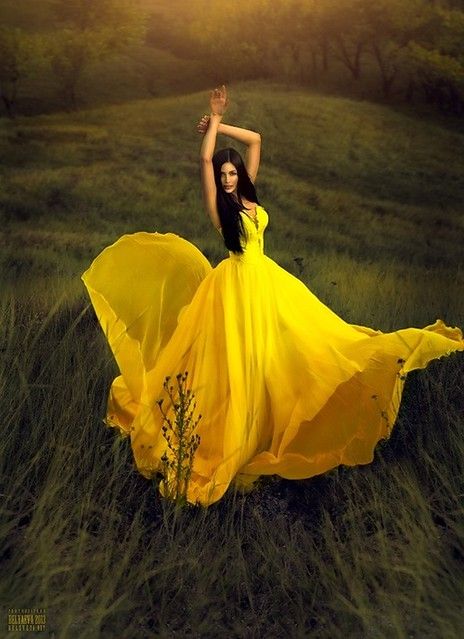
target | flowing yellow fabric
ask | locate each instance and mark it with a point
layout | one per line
(283, 384)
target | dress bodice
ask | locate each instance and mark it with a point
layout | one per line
(253, 246)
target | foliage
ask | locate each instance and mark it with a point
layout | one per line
(19, 54)
(294, 32)
(436, 61)
(392, 25)
(395, 49)
(87, 15)
(92, 31)
(71, 52)
(182, 441)
(441, 77)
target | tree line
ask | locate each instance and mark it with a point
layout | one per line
(414, 47)
(81, 32)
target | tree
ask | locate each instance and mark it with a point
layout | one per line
(392, 25)
(91, 30)
(345, 28)
(19, 52)
(436, 62)
(441, 77)
(71, 52)
(296, 34)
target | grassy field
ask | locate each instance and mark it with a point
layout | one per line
(364, 206)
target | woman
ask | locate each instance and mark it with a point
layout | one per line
(225, 181)
(283, 385)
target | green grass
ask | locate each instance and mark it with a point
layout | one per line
(369, 199)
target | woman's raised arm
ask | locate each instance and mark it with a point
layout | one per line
(218, 103)
(253, 142)
(208, 184)
(251, 138)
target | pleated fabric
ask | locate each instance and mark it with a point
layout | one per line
(283, 385)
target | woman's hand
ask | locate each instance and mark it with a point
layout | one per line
(203, 124)
(218, 100)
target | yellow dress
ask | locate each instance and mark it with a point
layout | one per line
(283, 385)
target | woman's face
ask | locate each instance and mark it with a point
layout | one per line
(229, 178)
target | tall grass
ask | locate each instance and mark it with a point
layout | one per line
(374, 551)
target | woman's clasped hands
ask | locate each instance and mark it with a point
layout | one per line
(218, 102)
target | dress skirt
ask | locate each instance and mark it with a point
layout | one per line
(283, 384)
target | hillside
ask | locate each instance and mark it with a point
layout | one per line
(340, 178)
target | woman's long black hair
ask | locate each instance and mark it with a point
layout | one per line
(228, 207)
